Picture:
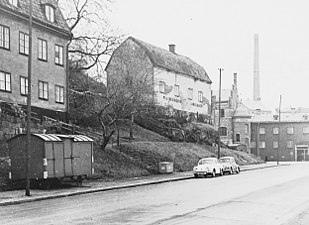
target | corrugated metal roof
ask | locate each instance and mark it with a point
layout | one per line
(76, 138)
(48, 137)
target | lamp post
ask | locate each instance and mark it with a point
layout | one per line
(28, 155)
(219, 122)
(279, 130)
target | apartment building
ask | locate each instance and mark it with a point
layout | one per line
(50, 36)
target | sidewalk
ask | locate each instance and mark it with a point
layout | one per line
(18, 196)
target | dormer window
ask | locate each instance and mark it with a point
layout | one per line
(13, 2)
(50, 13)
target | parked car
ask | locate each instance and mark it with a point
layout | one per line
(229, 165)
(207, 166)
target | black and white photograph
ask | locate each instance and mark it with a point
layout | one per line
(154, 112)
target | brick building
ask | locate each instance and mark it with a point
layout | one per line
(50, 36)
(234, 118)
(288, 138)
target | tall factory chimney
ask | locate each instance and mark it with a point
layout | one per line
(256, 72)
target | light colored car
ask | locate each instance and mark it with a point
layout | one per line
(207, 166)
(229, 165)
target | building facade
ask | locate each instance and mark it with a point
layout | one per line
(50, 36)
(284, 140)
(178, 82)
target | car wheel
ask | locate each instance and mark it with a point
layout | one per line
(238, 170)
(195, 175)
(213, 173)
(221, 172)
(231, 171)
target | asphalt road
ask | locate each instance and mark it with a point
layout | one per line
(268, 196)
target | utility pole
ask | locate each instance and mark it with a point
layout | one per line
(279, 130)
(28, 154)
(219, 122)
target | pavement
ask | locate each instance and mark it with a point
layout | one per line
(90, 186)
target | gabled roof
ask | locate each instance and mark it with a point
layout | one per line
(23, 9)
(242, 111)
(173, 61)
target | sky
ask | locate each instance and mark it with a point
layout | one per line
(220, 34)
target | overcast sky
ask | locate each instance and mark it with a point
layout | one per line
(219, 33)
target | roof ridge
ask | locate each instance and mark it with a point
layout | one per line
(172, 61)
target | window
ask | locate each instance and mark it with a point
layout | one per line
(190, 93)
(305, 130)
(59, 55)
(42, 49)
(23, 85)
(59, 90)
(176, 90)
(200, 96)
(290, 130)
(161, 86)
(275, 144)
(275, 130)
(4, 37)
(43, 90)
(246, 129)
(262, 144)
(222, 113)
(13, 2)
(23, 43)
(223, 131)
(50, 13)
(290, 144)
(237, 137)
(5, 81)
(262, 130)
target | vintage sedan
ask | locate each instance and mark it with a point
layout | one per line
(207, 166)
(229, 165)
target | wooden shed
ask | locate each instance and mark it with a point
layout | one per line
(52, 156)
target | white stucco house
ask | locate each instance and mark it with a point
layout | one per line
(178, 81)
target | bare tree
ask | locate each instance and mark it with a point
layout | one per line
(129, 90)
(93, 40)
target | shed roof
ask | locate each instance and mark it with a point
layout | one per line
(76, 138)
(48, 137)
(37, 12)
(172, 61)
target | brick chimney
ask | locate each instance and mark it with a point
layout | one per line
(171, 48)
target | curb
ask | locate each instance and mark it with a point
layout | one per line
(143, 183)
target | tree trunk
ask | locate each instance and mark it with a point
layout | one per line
(131, 127)
(106, 139)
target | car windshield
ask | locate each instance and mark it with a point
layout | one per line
(225, 160)
(206, 161)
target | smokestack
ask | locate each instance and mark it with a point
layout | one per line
(171, 48)
(256, 70)
(235, 79)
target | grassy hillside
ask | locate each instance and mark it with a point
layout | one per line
(142, 158)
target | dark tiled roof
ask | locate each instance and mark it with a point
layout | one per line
(173, 62)
(38, 12)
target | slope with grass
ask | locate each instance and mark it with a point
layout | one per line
(139, 157)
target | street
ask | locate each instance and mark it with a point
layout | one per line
(267, 196)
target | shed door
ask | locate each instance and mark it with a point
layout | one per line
(58, 165)
(68, 167)
(76, 158)
(54, 155)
